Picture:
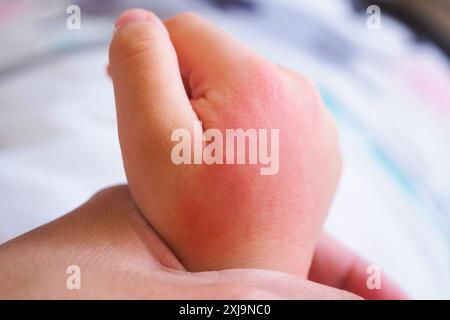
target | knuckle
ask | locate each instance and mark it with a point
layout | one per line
(185, 18)
(262, 71)
(260, 78)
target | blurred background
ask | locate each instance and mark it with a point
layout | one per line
(388, 88)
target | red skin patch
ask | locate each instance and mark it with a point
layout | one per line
(232, 210)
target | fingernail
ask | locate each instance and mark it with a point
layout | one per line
(132, 16)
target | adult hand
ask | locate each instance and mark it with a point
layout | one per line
(120, 256)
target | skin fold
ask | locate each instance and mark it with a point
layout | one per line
(199, 231)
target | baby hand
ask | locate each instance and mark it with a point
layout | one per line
(266, 212)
